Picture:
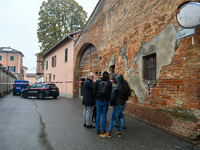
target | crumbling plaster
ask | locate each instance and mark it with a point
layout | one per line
(164, 45)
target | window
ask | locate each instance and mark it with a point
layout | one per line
(54, 61)
(66, 54)
(54, 77)
(49, 78)
(112, 70)
(150, 67)
(11, 68)
(11, 58)
(33, 86)
(39, 86)
(0, 57)
(46, 65)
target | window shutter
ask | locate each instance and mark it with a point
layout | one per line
(46, 65)
(14, 68)
(52, 61)
(66, 54)
(55, 60)
(8, 68)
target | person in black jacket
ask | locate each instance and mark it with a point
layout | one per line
(102, 100)
(119, 95)
(88, 100)
(94, 114)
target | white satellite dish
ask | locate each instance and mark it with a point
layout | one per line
(188, 16)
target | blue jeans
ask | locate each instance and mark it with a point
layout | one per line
(102, 108)
(118, 112)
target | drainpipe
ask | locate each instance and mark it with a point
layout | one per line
(71, 37)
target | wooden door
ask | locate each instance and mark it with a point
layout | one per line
(89, 63)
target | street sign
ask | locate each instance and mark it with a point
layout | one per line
(184, 33)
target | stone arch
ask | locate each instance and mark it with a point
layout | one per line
(87, 61)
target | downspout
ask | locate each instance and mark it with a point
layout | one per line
(71, 37)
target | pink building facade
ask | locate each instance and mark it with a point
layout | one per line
(13, 61)
(58, 64)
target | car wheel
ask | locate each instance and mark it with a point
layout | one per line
(24, 95)
(40, 96)
(55, 97)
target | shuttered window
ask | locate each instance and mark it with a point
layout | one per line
(46, 65)
(66, 54)
(11, 58)
(11, 68)
(53, 61)
(0, 57)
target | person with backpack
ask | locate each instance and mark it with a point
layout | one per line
(119, 95)
(94, 114)
(102, 91)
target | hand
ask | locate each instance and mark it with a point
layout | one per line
(94, 80)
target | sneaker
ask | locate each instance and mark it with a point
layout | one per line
(106, 135)
(84, 125)
(119, 134)
(103, 132)
(90, 126)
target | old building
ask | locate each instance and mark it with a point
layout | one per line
(138, 40)
(39, 68)
(13, 60)
(58, 64)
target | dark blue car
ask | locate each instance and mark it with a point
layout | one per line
(41, 90)
(19, 86)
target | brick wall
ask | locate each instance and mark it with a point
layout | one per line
(117, 24)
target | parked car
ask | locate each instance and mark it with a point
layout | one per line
(41, 90)
(19, 85)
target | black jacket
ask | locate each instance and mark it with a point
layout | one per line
(101, 97)
(88, 97)
(120, 92)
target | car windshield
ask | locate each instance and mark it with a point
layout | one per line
(51, 86)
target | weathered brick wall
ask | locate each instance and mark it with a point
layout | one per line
(122, 27)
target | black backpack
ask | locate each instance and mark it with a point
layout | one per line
(103, 88)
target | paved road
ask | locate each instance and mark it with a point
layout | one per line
(56, 124)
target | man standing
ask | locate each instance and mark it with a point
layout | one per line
(94, 114)
(118, 98)
(88, 100)
(102, 93)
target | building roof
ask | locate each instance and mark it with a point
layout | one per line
(61, 41)
(10, 51)
(30, 75)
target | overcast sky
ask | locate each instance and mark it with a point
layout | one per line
(18, 26)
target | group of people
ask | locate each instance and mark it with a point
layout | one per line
(101, 92)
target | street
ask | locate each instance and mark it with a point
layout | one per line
(57, 124)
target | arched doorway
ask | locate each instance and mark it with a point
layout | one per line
(89, 63)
